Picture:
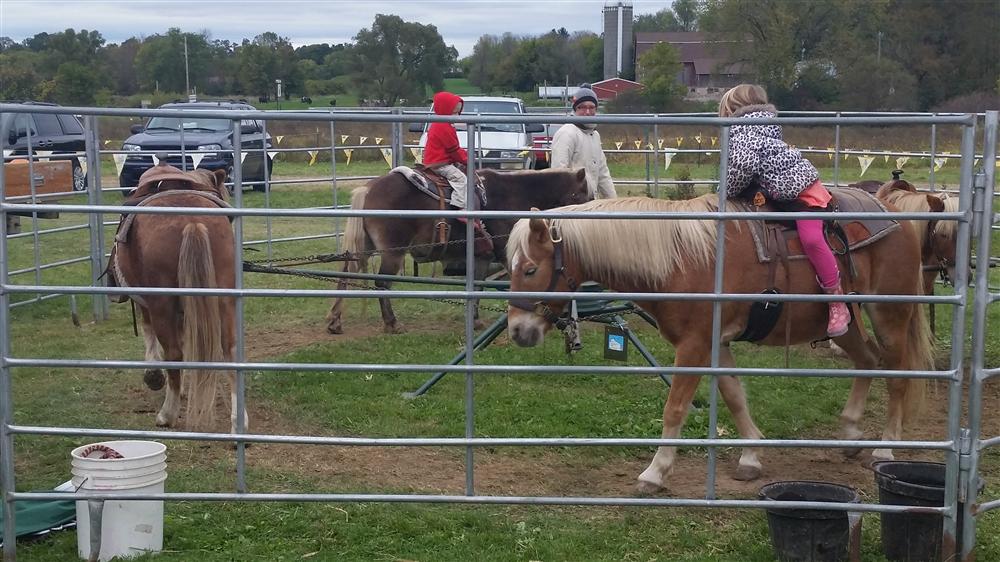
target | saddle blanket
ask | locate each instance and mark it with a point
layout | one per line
(420, 180)
(860, 233)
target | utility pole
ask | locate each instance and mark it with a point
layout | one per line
(187, 79)
(878, 53)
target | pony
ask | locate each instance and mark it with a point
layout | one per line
(392, 237)
(183, 251)
(938, 238)
(674, 256)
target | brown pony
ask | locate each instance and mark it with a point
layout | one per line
(183, 251)
(392, 237)
(677, 256)
(938, 238)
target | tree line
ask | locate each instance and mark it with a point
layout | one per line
(821, 54)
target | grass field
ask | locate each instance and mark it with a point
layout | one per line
(349, 403)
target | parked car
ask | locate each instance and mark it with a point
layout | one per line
(210, 138)
(498, 145)
(541, 144)
(60, 134)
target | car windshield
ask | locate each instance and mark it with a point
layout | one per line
(190, 123)
(488, 107)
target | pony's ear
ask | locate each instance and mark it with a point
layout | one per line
(219, 177)
(539, 229)
(935, 203)
(581, 174)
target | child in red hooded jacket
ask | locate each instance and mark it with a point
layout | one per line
(442, 151)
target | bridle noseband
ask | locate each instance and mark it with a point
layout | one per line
(558, 270)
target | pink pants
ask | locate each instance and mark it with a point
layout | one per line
(815, 247)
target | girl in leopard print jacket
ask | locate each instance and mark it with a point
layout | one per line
(758, 152)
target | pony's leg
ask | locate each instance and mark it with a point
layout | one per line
(749, 467)
(675, 411)
(152, 377)
(169, 335)
(865, 356)
(392, 262)
(334, 324)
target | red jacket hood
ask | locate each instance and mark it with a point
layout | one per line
(445, 103)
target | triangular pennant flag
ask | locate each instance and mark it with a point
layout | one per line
(43, 155)
(697, 138)
(975, 162)
(378, 140)
(846, 156)
(362, 140)
(106, 141)
(901, 161)
(119, 162)
(278, 138)
(156, 160)
(886, 156)
(416, 153)
(343, 138)
(668, 157)
(272, 154)
(939, 163)
(83, 164)
(618, 144)
(659, 142)
(243, 156)
(829, 154)
(312, 156)
(638, 143)
(387, 154)
(7, 152)
(522, 154)
(680, 141)
(715, 140)
(196, 159)
(348, 152)
(649, 146)
(865, 162)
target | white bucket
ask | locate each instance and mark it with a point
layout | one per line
(128, 528)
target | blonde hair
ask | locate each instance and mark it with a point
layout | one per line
(741, 96)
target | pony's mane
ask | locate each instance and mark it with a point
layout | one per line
(646, 250)
(916, 202)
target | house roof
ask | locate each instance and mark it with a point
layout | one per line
(705, 52)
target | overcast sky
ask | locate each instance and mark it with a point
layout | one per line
(303, 22)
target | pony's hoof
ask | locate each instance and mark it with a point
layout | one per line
(879, 455)
(162, 421)
(153, 378)
(746, 473)
(335, 327)
(394, 328)
(647, 488)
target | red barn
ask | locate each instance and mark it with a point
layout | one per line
(610, 89)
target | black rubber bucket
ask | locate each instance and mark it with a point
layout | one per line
(912, 537)
(811, 535)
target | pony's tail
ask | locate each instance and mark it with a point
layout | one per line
(202, 330)
(920, 345)
(354, 233)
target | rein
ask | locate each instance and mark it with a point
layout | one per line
(564, 321)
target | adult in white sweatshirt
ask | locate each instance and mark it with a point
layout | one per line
(579, 146)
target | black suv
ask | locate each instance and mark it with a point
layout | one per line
(207, 143)
(58, 134)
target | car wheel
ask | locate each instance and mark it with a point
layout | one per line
(79, 178)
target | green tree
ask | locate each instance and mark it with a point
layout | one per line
(663, 20)
(658, 70)
(73, 84)
(160, 61)
(19, 78)
(397, 60)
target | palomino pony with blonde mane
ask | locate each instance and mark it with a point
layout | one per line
(938, 238)
(182, 251)
(678, 256)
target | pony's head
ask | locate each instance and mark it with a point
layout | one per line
(164, 177)
(536, 263)
(937, 237)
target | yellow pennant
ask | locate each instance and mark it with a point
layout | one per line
(348, 152)
(638, 143)
(649, 146)
(846, 156)
(715, 140)
(343, 139)
(618, 145)
(975, 163)
(659, 142)
(886, 156)
(829, 154)
(865, 162)
(278, 138)
(417, 154)
(387, 154)
(378, 140)
(106, 141)
(697, 138)
(119, 162)
(668, 157)
(680, 141)
(901, 161)
(939, 163)
(362, 140)
(312, 156)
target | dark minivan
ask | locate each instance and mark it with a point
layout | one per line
(51, 135)
(198, 141)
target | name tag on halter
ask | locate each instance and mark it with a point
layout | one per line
(615, 343)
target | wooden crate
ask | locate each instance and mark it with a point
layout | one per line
(50, 178)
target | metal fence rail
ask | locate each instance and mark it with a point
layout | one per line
(961, 446)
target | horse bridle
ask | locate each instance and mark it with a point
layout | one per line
(943, 263)
(538, 307)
